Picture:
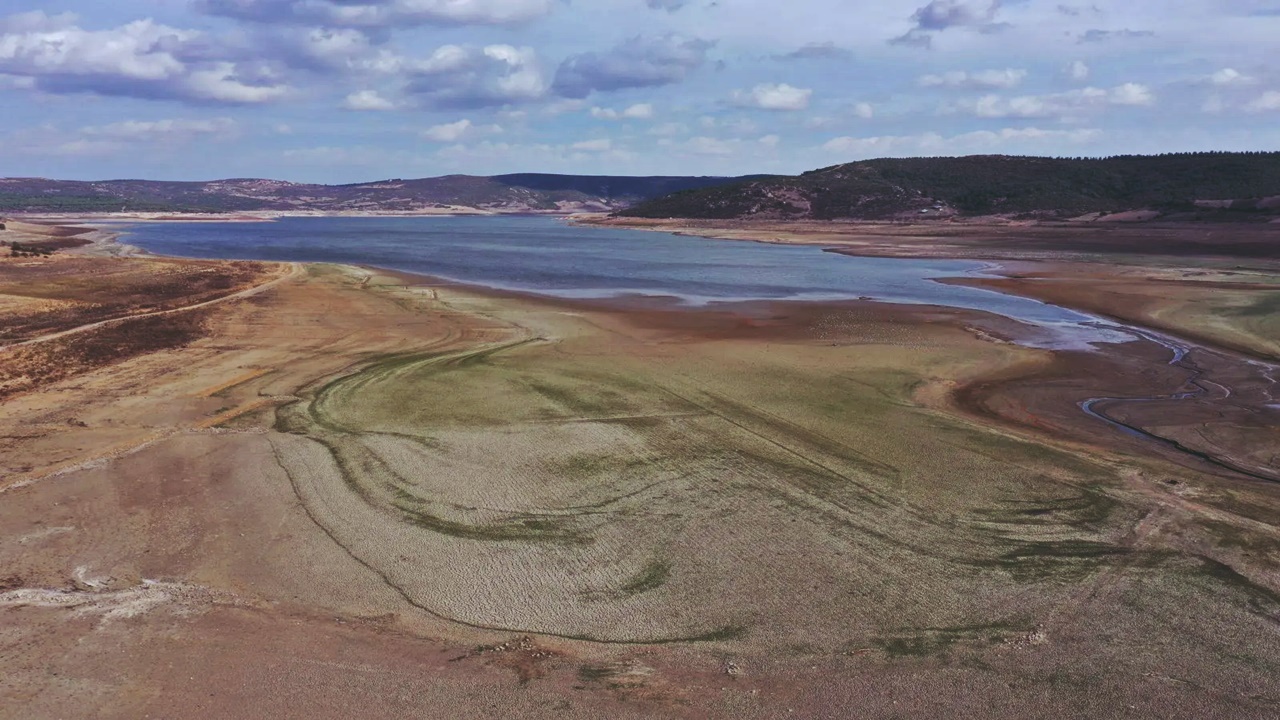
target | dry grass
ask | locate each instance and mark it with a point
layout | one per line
(46, 295)
(29, 367)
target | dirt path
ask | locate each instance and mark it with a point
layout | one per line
(295, 271)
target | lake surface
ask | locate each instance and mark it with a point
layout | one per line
(546, 256)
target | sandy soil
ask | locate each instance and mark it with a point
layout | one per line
(357, 493)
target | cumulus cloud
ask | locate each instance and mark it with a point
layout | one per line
(941, 15)
(367, 100)
(985, 79)
(378, 13)
(1230, 77)
(638, 62)
(457, 77)
(1267, 102)
(448, 132)
(141, 59)
(640, 111)
(774, 97)
(323, 49)
(1077, 71)
(1062, 106)
(461, 130)
(1134, 94)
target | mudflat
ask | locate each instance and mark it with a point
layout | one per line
(345, 491)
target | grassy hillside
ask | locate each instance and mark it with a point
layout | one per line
(980, 185)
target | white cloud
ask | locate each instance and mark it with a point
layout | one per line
(473, 77)
(703, 145)
(1006, 140)
(1077, 71)
(449, 132)
(1266, 102)
(774, 97)
(158, 130)
(1062, 106)
(770, 141)
(220, 83)
(1231, 77)
(141, 59)
(378, 13)
(1134, 94)
(864, 111)
(985, 79)
(641, 111)
(121, 138)
(367, 100)
(595, 146)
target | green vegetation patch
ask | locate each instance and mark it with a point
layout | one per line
(933, 642)
(1064, 561)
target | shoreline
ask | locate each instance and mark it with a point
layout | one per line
(1000, 276)
(257, 216)
(752, 316)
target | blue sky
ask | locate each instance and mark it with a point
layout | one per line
(355, 90)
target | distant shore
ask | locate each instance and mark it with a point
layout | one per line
(254, 216)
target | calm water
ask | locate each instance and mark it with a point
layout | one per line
(544, 255)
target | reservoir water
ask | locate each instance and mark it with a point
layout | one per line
(546, 256)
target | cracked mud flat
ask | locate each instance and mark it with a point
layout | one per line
(364, 495)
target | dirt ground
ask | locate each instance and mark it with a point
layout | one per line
(360, 494)
(1141, 244)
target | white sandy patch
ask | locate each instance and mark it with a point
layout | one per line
(92, 597)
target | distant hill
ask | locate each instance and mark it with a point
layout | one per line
(1181, 186)
(501, 193)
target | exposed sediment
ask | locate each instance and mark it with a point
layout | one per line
(385, 488)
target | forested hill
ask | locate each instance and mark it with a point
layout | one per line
(501, 193)
(1182, 186)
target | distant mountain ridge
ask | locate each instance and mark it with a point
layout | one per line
(1238, 186)
(520, 193)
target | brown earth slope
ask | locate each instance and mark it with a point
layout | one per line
(360, 494)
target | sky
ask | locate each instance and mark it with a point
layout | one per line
(340, 91)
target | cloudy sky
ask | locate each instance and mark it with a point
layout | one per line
(355, 90)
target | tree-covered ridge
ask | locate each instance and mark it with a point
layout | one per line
(986, 184)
